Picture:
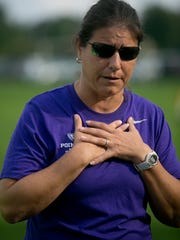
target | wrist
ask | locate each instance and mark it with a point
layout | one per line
(87, 152)
(142, 154)
(150, 160)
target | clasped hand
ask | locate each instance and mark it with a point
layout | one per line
(115, 140)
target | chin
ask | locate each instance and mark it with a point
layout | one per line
(110, 92)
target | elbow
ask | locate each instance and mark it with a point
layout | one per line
(10, 219)
(176, 220)
(11, 216)
(168, 216)
(172, 220)
(177, 224)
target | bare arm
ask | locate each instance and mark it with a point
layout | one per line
(31, 194)
(163, 188)
(164, 194)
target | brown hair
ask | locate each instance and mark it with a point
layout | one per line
(107, 13)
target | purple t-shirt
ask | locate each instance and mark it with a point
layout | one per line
(106, 201)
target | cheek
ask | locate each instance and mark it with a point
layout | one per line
(130, 68)
(96, 67)
(90, 71)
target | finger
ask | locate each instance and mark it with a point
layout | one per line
(99, 125)
(106, 155)
(77, 121)
(104, 126)
(116, 124)
(124, 127)
(131, 124)
(100, 133)
(78, 125)
(102, 142)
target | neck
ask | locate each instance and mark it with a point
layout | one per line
(100, 103)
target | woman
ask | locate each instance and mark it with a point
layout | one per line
(86, 158)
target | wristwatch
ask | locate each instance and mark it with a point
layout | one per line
(151, 160)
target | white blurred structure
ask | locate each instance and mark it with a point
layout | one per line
(38, 68)
(149, 66)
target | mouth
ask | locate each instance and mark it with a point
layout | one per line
(110, 78)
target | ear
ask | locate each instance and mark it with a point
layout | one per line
(78, 48)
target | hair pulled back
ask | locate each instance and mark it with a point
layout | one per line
(107, 13)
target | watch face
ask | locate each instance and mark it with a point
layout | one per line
(153, 159)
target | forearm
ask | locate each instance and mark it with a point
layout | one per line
(164, 194)
(35, 192)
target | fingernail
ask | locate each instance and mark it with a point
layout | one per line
(92, 163)
(131, 118)
(88, 121)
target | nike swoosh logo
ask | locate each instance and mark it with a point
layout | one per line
(140, 121)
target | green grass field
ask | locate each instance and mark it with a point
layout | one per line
(13, 97)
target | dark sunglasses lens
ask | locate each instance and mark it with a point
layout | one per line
(106, 51)
(128, 53)
(103, 50)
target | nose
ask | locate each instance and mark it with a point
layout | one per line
(115, 62)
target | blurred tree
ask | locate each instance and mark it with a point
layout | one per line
(51, 37)
(56, 36)
(162, 25)
(13, 40)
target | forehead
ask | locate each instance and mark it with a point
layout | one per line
(114, 35)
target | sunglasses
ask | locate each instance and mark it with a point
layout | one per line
(103, 50)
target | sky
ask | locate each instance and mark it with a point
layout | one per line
(33, 11)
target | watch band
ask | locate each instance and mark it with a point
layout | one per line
(151, 160)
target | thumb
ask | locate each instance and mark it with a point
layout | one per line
(77, 126)
(77, 122)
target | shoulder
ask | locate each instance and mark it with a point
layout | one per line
(142, 108)
(49, 102)
(50, 98)
(51, 94)
(140, 102)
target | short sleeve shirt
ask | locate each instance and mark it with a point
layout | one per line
(106, 201)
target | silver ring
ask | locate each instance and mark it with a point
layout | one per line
(106, 143)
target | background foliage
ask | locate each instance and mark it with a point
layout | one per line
(55, 36)
(162, 25)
